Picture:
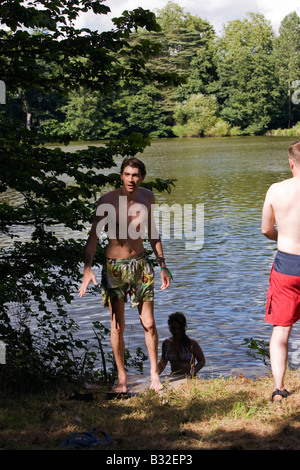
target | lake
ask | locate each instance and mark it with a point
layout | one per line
(221, 285)
(220, 282)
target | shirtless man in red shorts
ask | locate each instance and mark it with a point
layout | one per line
(282, 207)
(126, 212)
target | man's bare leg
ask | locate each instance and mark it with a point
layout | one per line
(117, 311)
(146, 310)
(279, 355)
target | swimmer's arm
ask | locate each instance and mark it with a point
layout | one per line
(199, 356)
(268, 217)
(163, 361)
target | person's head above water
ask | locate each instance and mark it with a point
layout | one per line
(179, 318)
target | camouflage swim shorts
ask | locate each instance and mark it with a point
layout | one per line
(129, 276)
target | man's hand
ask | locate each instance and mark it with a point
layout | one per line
(165, 279)
(88, 276)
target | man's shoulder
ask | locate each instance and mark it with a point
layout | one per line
(280, 186)
(166, 341)
(109, 197)
(194, 343)
(146, 193)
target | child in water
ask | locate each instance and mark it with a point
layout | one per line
(184, 354)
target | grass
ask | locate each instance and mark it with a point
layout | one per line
(213, 414)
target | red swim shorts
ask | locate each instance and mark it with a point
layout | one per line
(283, 296)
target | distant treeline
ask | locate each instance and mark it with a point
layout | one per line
(247, 81)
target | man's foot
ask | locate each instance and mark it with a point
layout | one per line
(122, 384)
(278, 395)
(156, 384)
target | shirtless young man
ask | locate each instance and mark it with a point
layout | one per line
(282, 206)
(126, 212)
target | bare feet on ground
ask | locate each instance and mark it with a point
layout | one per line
(122, 384)
(156, 384)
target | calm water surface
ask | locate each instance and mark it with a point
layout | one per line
(221, 287)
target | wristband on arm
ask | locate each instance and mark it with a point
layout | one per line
(170, 274)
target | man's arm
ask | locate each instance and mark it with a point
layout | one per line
(268, 217)
(156, 245)
(199, 356)
(89, 253)
(164, 273)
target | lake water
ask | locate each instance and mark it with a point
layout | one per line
(221, 286)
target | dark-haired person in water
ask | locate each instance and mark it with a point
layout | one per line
(184, 354)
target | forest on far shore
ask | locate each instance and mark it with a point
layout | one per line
(244, 82)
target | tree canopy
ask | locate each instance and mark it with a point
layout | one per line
(251, 71)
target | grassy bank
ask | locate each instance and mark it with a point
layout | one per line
(233, 414)
(291, 132)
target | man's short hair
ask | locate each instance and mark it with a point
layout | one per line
(294, 151)
(135, 163)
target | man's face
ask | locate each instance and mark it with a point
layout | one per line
(131, 178)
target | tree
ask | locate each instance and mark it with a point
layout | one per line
(198, 116)
(187, 49)
(51, 187)
(247, 87)
(286, 56)
(184, 42)
(143, 113)
(89, 115)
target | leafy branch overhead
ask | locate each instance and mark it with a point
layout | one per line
(58, 56)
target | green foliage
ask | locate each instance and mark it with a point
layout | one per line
(198, 117)
(292, 132)
(262, 350)
(155, 67)
(286, 58)
(247, 86)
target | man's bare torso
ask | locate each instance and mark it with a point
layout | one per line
(127, 220)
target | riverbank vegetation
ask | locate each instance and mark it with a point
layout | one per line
(213, 414)
(292, 132)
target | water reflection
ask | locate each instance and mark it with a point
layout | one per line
(222, 287)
